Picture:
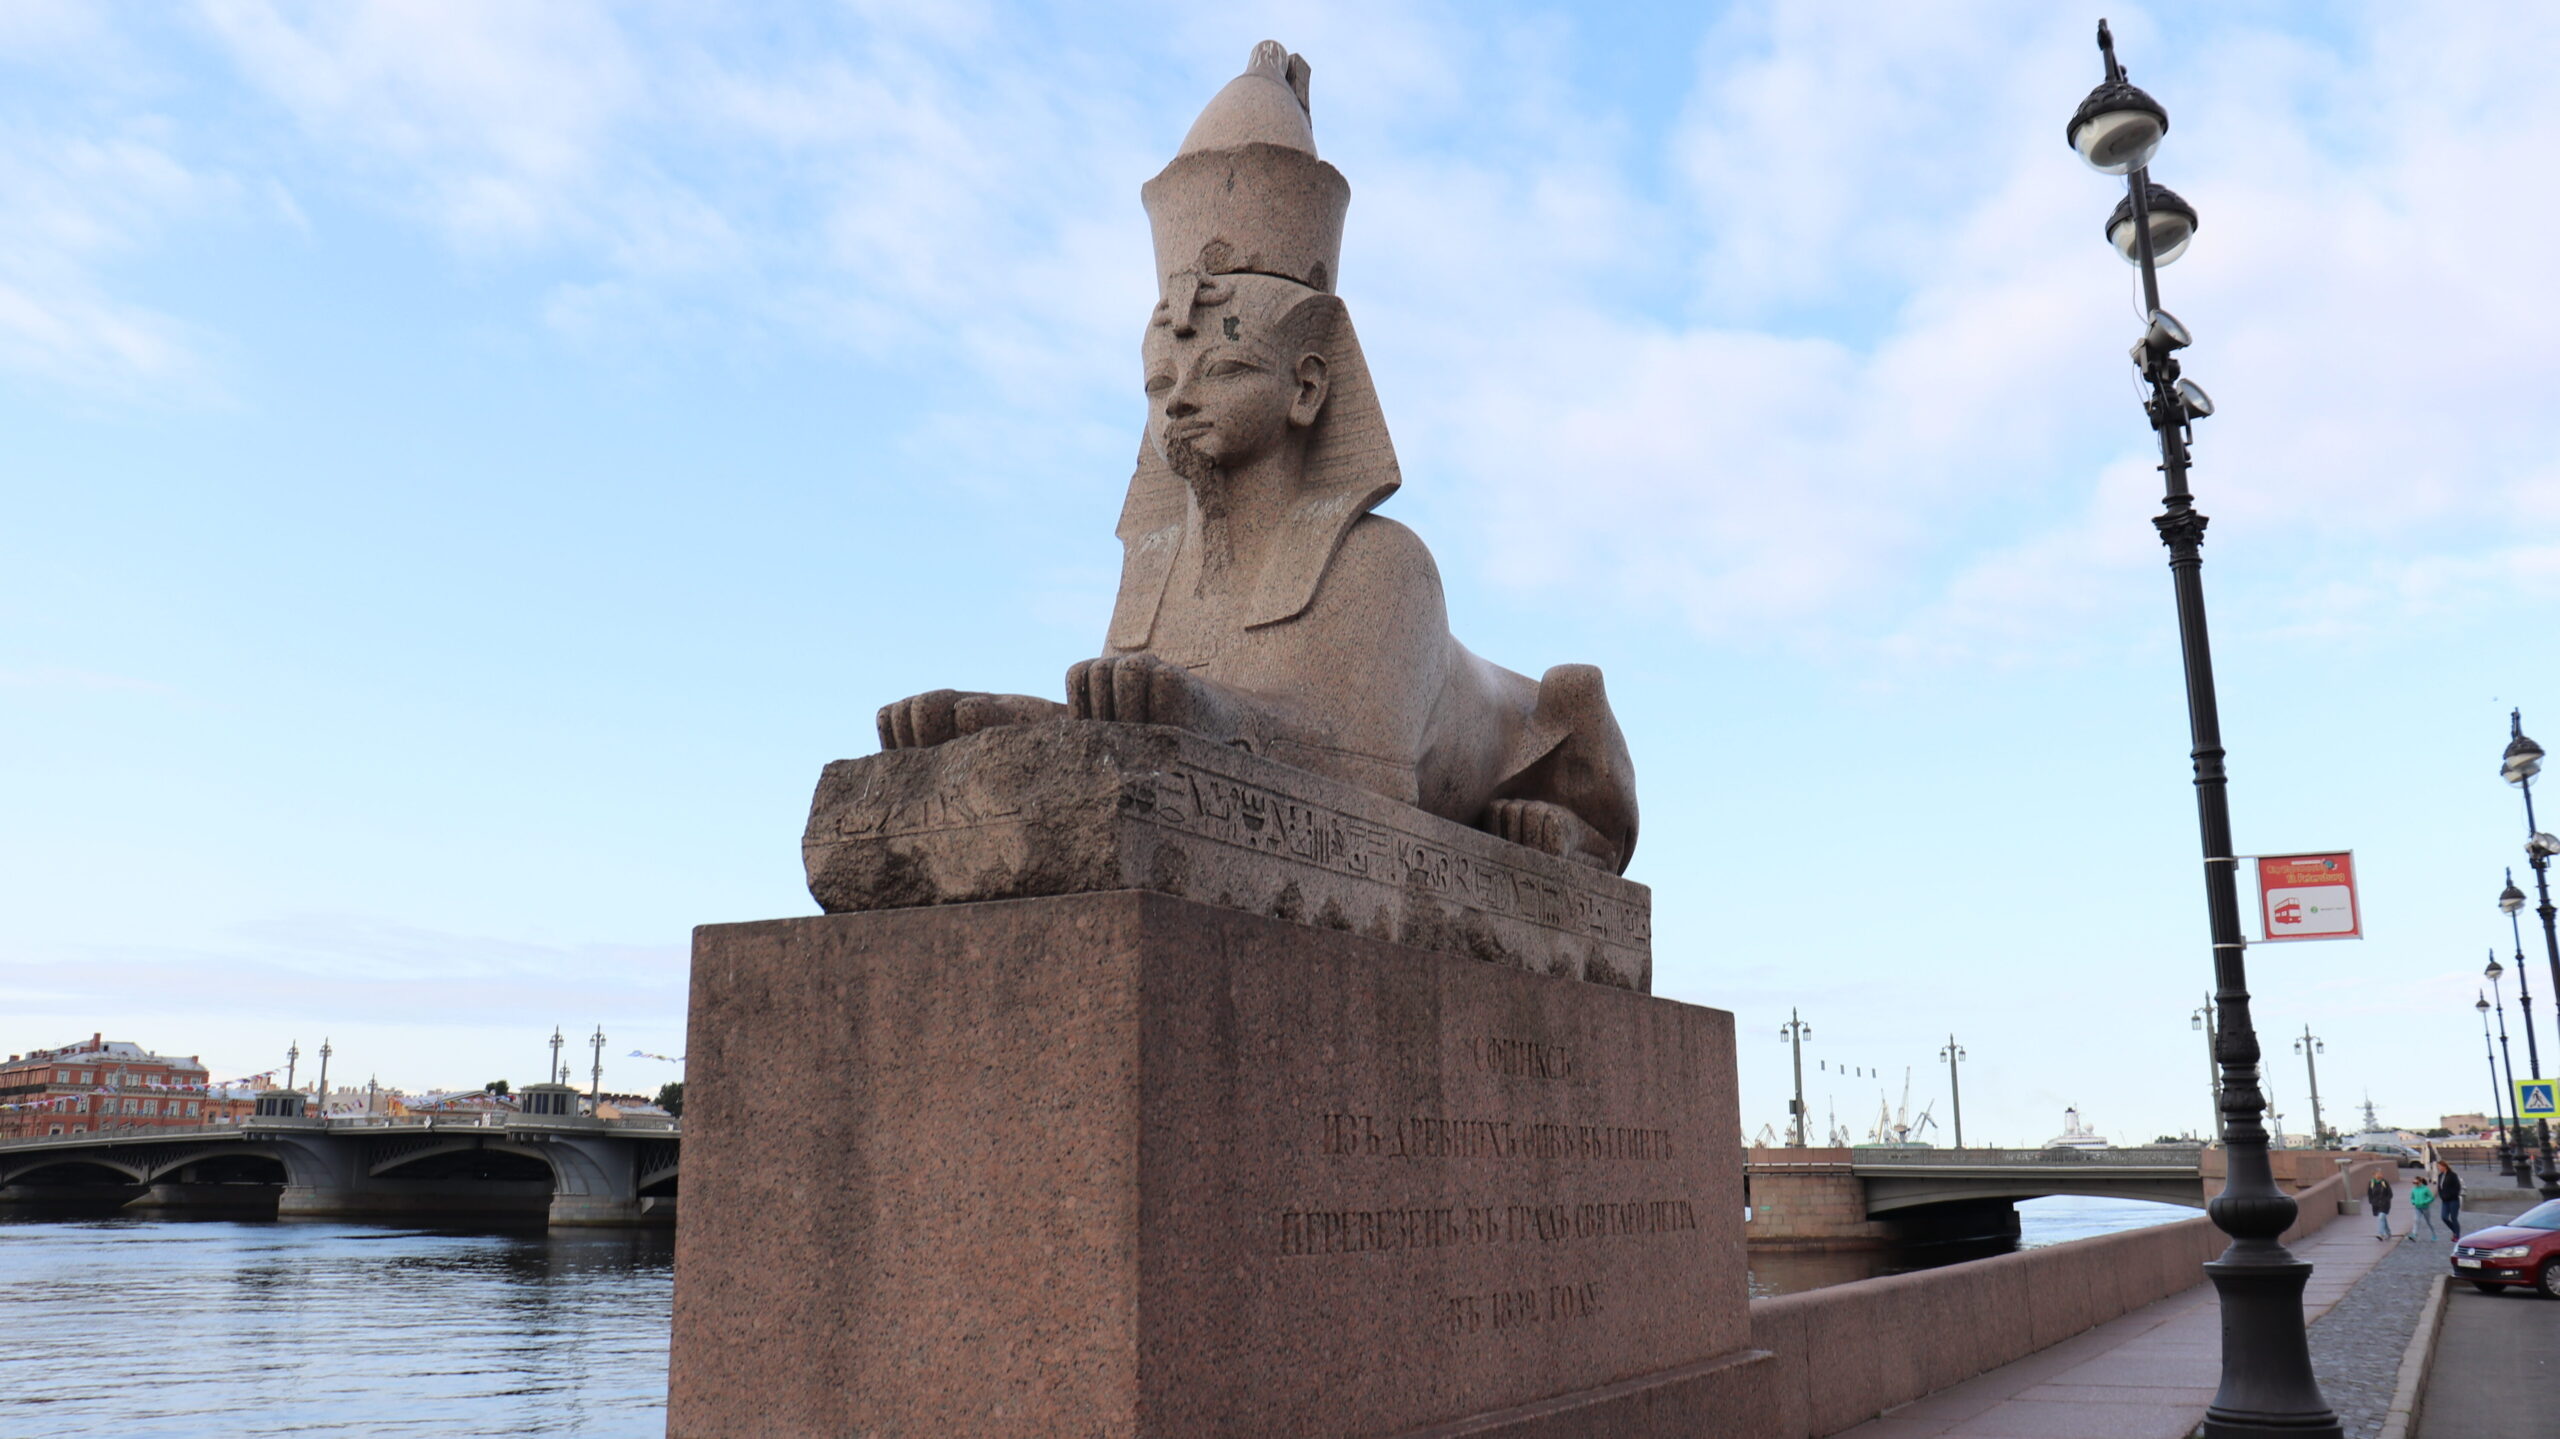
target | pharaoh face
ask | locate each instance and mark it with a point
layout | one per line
(1231, 378)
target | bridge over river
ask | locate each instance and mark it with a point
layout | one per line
(574, 1170)
(568, 1169)
(1841, 1198)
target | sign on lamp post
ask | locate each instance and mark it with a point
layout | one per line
(2537, 1099)
(2309, 896)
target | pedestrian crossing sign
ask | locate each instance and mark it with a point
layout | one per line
(2538, 1099)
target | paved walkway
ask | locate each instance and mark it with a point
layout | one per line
(2147, 1375)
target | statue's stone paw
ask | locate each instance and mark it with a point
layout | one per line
(1551, 829)
(1134, 689)
(940, 716)
(920, 721)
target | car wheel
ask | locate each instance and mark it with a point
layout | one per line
(2547, 1279)
(2485, 1287)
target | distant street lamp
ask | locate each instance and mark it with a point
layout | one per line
(2203, 1019)
(2267, 1387)
(2310, 1048)
(1795, 1031)
(556, 1042)
(2519, 1150)
(2497, 1094)
(1953, 1054)
(595, 1092)
(324, 1076)
(2521, 762)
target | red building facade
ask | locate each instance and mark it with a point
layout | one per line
(101, 1085)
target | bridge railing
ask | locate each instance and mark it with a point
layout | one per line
(249, 1124)
(2143, 1158)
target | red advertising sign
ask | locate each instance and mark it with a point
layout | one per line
(2309, 896)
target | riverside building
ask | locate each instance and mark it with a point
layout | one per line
(108, 1084)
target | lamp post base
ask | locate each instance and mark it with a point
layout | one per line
(2267, 1389)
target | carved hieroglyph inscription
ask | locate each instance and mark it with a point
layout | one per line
(1197, 800)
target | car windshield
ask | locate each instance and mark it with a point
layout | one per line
(2545, 1215)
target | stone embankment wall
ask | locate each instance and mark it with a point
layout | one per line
(1849, 1352)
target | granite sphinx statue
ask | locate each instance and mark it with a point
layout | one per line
(1263, 603)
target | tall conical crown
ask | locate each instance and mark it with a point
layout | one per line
(1246, 194)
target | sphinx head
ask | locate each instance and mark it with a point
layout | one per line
(1237, 374)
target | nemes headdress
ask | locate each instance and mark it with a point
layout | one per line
(1246, 195)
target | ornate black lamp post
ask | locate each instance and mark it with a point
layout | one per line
(1795, 1031)
(2203, 1020)
(2497, 1093)
(1953, 1054)
(2267, 1385)
(2520, 1150)
(2311, 1047)
(2522, 761)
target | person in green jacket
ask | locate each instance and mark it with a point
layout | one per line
(2422, 1198)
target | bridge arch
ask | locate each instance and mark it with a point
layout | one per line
(161, 1166)
(74, 1168)
(572, 1169)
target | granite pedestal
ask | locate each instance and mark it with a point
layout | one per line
(1076, 806)
(1121, 1164)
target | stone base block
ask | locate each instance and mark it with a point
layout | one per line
(1076, 806)
(418, 1199)
(208, 1198)
(1123, 1165)
(582, 1209)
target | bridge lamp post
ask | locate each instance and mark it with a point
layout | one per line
(2267, 1385)
(292, 1057)
(552, 1075)
(1795, 1032)
(1953, 1054)
(324, 1076)
(2497, 1095)
(595, 1091)
(2310, 1048)
(2203, 1020)
(2523, 1149)
(2521, 762)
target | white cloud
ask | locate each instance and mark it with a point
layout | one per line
(73, 203)
(492, 118)
(1835, 361)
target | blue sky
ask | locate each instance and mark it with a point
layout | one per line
(468, 466)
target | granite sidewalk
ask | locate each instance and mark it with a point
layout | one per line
(2147, 1375)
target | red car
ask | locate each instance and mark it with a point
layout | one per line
(2525, 1250)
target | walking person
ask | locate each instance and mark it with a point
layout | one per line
(2422, 1199)
(2449, 1194)
(2377, 1197)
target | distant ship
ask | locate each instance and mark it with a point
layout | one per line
(2076, 1135)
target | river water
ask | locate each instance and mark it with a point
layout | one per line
(208, 1328)
(198, 1328)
